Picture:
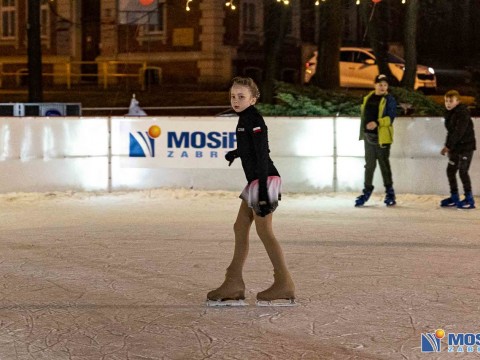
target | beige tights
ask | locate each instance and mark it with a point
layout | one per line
(283, 286)
(233, 288)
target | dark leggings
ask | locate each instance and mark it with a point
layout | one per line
(461, 163)
(374, 153)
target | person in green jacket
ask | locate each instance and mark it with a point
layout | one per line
(378, 112)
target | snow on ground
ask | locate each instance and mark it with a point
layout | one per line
(124, 276)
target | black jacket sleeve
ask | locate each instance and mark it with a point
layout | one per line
(259, 133)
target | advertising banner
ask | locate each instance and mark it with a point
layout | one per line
(173, 142)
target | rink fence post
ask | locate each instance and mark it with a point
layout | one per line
(109, 154)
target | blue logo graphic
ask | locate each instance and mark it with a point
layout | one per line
(201, 140)
(53, 112)
(141, 145)
(457, 342)
(180, 144)
(430, 343)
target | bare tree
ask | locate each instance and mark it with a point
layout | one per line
(461, 25)
(410, 44)
(330, 39)
(376, 17)
(275, 28)
(450, 30)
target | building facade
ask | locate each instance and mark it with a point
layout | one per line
(154, 41)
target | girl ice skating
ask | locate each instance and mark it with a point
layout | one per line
(259, 200)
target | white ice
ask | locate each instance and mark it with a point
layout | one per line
(124, 276)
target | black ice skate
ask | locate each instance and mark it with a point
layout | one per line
(390, 198)
(451, 201)
(467, 203)
(363, 198)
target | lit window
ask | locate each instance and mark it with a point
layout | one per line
(8, 16)
(156, 23)
(44, 19)
(249, 20)
(150, 18)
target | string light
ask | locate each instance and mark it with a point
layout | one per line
(230, 4)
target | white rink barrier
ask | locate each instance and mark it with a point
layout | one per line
(44, 154)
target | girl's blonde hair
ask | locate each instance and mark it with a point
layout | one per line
(249, 83)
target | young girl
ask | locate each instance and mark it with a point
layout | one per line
(259, 199)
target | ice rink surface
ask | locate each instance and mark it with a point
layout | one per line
(124, 276)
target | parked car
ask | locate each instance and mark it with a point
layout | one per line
(358, 69)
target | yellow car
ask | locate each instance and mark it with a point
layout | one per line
(358, 68)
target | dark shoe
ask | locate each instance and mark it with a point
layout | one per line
(390, 198)
(362, 199)
(467, 203)
(451, 201)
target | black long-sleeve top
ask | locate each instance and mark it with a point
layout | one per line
(253, 149)
(371, 112)
(459, 124)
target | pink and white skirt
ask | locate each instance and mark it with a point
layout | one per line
(274, 188)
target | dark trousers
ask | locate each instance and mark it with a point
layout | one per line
(373, 153)
(461, 163)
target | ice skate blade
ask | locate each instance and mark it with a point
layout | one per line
(223, 303)
(279, 302)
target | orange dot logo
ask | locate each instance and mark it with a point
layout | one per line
(440, 333)
(154, 131)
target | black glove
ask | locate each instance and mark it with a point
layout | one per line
(263, 201)
(265, 208)
(230, 156)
